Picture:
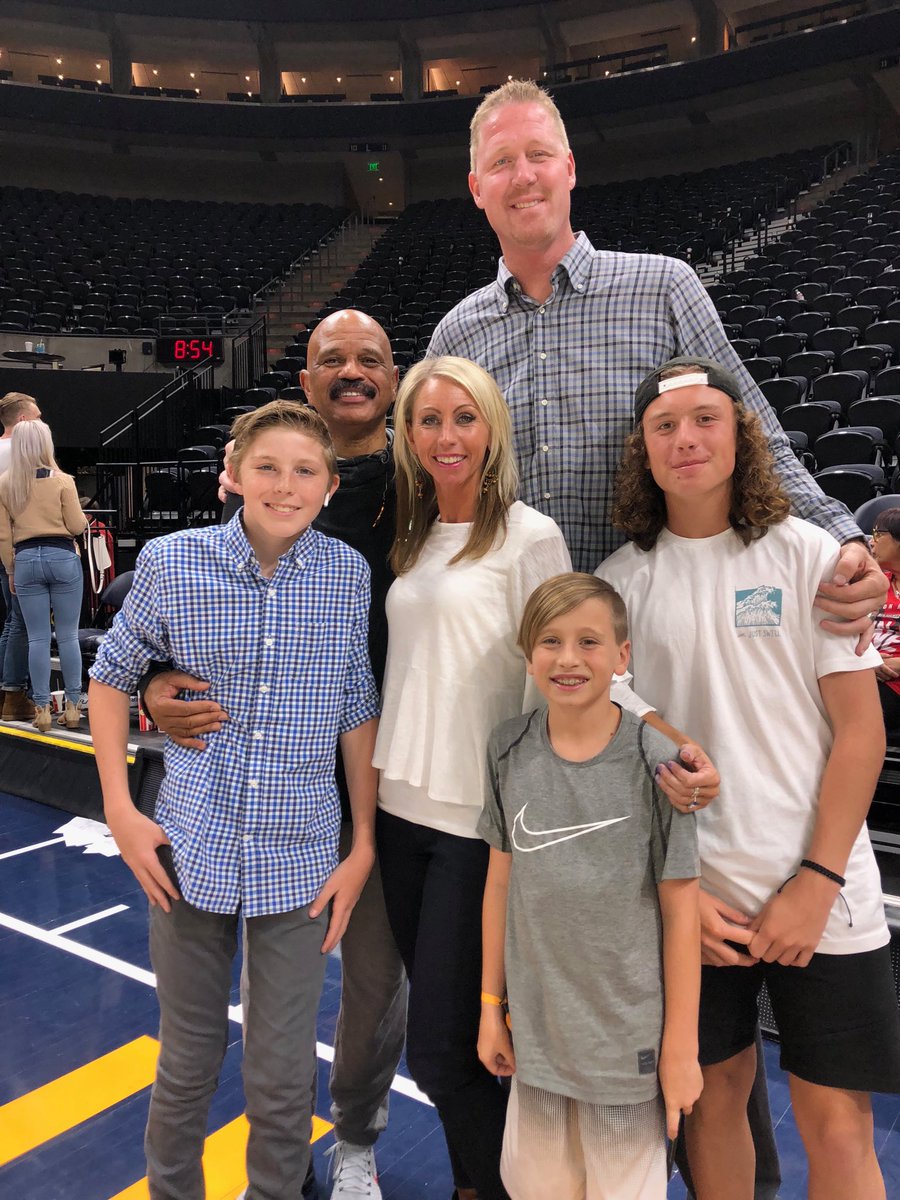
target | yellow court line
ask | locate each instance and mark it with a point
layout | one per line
(50, 1110)
(223, 1162)
(46, 740)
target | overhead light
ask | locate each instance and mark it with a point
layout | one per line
(457, 83)
(99, 80)
(693, 39)
(193, 74)
(545, 74)
(197, 90)
(339, 78)
(155, 72)
(391, 78)
(381, 179)
(59, 77)
(303, 79)
(59, 62)
(509, 78)
(247, 78)
(607, 72)
(390, 204)
(99, 66)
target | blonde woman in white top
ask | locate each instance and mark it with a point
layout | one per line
(40, 515)
(467, 556)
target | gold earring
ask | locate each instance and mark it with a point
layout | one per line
(489, 481)
(420, 485)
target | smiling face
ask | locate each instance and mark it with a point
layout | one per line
(522, 179)
(451, 439)
(690, 435)
(576, 655)
(351, 378)
(284, 478)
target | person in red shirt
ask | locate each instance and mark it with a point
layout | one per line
(886, 550)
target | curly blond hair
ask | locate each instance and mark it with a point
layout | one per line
(757, 498)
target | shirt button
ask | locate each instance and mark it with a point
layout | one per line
(545, 403)
(579, 287)
(257, 736)
(543, 355)
(546, 449)
(546, 495)
(541, 310)
(264, 687)
(270, 641)
(253, 784)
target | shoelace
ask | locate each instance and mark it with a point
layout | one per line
(353, 1170)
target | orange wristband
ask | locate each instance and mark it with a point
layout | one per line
(487, 998)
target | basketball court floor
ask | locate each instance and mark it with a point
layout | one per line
(78, 1023)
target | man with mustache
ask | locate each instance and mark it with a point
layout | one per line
(351, 381)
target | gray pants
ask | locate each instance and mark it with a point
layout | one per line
(192, 954)
(371, 1026)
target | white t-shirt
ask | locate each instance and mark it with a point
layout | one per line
(454, 670)
(727, 644)
(5, 454)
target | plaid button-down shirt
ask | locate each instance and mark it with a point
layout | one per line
(569, 368)
(254, 819)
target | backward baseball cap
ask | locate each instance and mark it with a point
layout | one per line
(708, 373)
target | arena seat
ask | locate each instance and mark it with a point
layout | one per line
(852, 485)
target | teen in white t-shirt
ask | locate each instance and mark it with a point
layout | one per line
(720, 584)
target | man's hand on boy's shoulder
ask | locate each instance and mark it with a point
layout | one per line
(184, 721)
(856, 591)
(690, 783)
(342, 888)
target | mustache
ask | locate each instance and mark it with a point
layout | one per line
(340, 386)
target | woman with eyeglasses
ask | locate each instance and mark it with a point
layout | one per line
(886, 550)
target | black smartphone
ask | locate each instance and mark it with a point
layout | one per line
(164, 854)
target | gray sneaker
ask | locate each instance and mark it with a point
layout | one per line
(353, 1172)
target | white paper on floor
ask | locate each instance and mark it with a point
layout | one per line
(94, 836)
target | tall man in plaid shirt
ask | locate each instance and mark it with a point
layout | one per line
(568, 332)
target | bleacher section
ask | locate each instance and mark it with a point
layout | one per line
(91, 264)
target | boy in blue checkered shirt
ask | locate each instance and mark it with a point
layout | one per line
(275, 616)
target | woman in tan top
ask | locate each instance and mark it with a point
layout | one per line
(39, 517)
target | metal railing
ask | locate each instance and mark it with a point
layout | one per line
(249, 355)
(162, 422)
(151, 498)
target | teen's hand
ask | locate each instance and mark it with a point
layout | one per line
(790, 926)
(138, 839)
(681, 1081)
(857, 589)
(691, 783)
(495, 1048)
(889, 669)
(342, 888)
(720, 924)
(183, 720)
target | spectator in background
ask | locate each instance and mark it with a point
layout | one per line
(16, 706)
(886, 549)
(40, 517)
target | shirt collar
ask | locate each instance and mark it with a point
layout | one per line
(575, 263)
(242, 552)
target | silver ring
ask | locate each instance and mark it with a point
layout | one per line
(692, 803)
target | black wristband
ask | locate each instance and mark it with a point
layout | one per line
(819, 869)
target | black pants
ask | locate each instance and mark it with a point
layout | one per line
(890, 706)
(433, 888)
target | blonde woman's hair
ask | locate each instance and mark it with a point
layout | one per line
(516, 91)
(559, 595)
(499, 477)
(32, 448)
(289, 415)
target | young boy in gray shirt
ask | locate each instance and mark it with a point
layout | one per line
(590, 918)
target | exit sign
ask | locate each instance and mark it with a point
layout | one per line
(373, 166)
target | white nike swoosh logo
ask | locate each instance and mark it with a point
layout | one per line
(540, 839)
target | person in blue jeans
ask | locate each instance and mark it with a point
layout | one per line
(16, 706)
(40, 516)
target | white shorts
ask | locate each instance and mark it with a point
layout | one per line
(572, 1150)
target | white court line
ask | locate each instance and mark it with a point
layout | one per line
(36, 846)
(52, 937)
(99, 916)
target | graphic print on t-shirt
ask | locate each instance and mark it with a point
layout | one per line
(525, 840)
(756, 610)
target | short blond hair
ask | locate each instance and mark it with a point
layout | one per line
(289, 415)
(12, 406)
(559, 595)
(516, 91)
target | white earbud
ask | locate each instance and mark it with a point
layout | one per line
(327, 498)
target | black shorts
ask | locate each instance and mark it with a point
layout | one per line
(838, 1019)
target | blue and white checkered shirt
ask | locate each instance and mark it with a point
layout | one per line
(569, 368)
(254, 819)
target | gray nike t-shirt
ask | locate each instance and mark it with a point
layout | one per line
(589, 843)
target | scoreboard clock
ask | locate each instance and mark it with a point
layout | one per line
(187, 351)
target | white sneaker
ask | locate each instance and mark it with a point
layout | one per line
(353, 1172)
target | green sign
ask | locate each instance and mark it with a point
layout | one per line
(374, 166)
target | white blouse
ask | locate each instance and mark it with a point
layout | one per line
(454, 670)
